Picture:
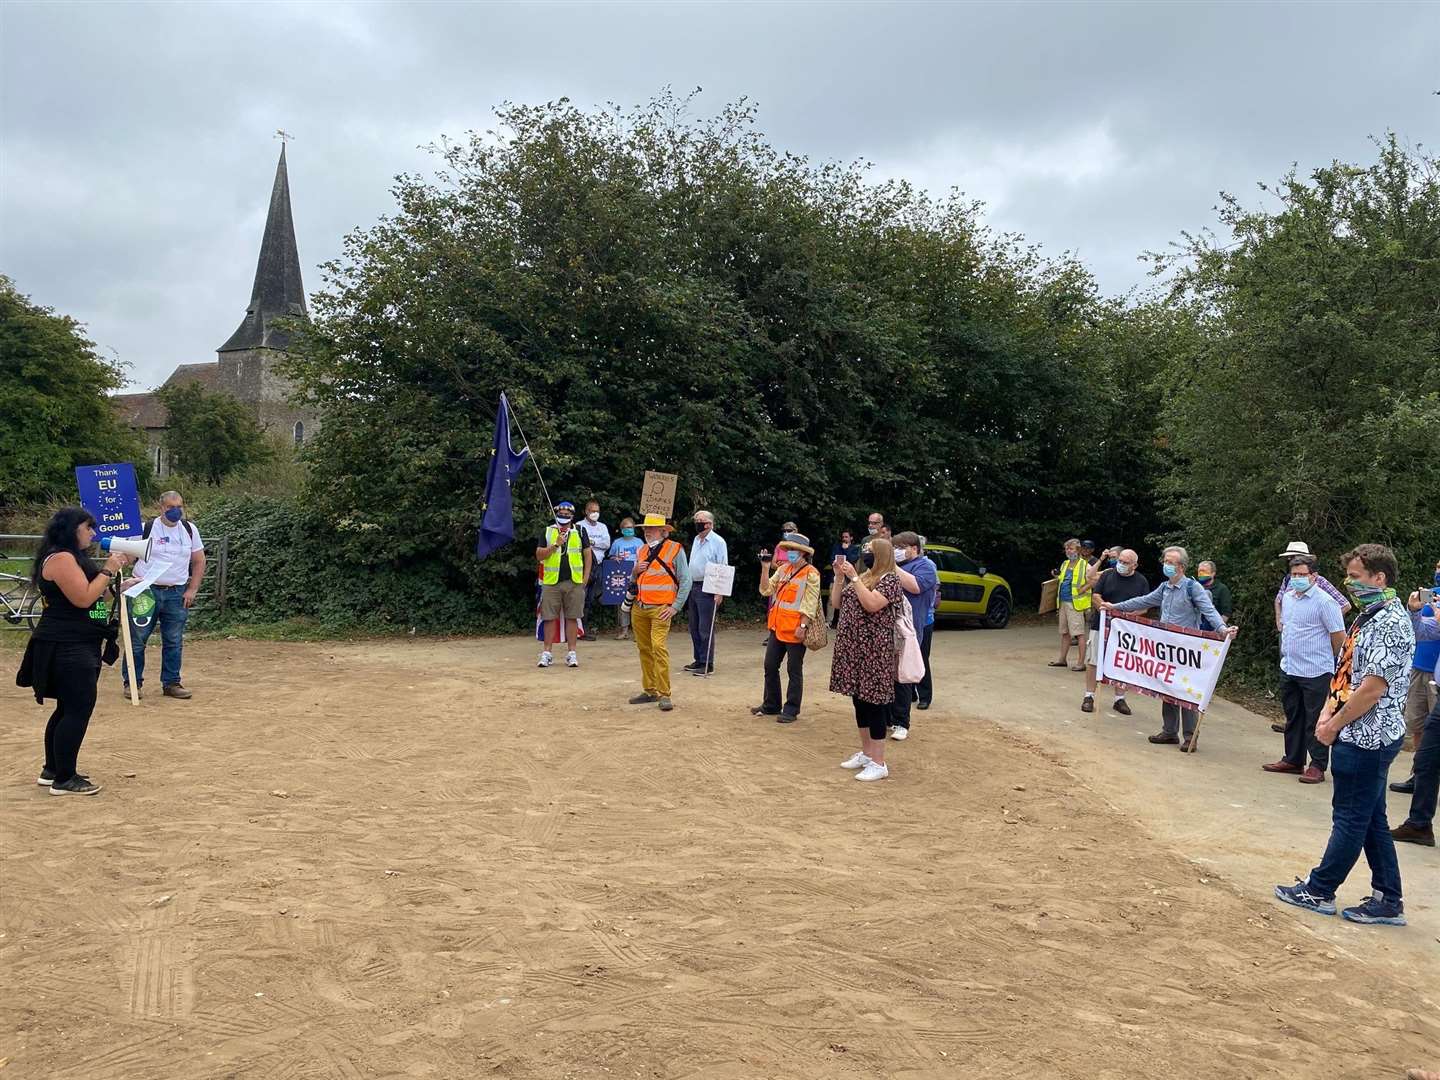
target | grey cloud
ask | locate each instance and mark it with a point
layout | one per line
(137, 150)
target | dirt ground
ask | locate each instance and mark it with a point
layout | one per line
(429, 859)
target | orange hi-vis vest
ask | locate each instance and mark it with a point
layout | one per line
(785, 614)
(656, 580)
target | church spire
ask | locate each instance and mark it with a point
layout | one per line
(278, 290)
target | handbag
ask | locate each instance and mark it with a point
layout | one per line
(909, 663)
(816, 635)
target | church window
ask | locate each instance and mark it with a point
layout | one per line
(299, 432)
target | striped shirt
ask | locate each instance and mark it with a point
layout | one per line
(1308, 619)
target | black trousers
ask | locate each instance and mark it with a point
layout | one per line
(1302, 698)
(871, 717)
(74, 674)
(925, 690)
(1427, 772)
(794, 656)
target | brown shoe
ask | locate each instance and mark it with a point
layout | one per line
(1189, 746)
(1279, 729)
(1121, 707)
(1312, 775)
(1413, 834)
(175, 690)
(1282, 766)
(139, 692)
(1164, 737)
(1087, 705)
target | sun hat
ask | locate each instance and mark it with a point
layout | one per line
(797, 542)
(1296, 548)
(655, 521)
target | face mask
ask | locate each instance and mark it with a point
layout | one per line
(1123, 570)
(872, 530)
(1071, 556)
(593, 516)
(902, 554)
(174, 514)
(1112, 562)
(1300, 584)
(627, 532)
(1170, 570)
(562, 521)
(792, 557)
(701, 526)
(1437, 579)
(1368, 594)
(1205, 579)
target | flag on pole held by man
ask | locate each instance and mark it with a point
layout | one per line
(497, 523)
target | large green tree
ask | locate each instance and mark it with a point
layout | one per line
(210, 435)
(661, 292)
(55, 412)
(1308, 407)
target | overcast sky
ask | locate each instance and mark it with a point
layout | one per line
(138, 152)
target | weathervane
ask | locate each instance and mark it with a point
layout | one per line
(282, 135)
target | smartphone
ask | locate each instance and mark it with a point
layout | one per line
(1427, 595)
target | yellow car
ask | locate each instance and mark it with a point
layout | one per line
(968, 590)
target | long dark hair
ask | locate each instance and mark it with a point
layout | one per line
(60, 536)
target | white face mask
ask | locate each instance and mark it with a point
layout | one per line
(1123, 570)
(562, 521)
(873, 529)
(902, 554)
(593, 516)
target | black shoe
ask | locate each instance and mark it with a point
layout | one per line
(696, 666)
(786, 718)
(644, 699)
(1087, 705)
(1279, 729)
(701, 670)
(1404, 787)
(922, 705)
(1121, 706)
(76, 785)
(47, 777)
(1165, 737)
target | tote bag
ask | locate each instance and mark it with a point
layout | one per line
(909, 664)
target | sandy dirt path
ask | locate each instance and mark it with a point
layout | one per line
(419, 858)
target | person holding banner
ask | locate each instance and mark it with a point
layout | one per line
(1119, 583)
(62, 658)
(1364, 722)
(624, 550)
(1184, 603)
(662, 584)
(795, 588)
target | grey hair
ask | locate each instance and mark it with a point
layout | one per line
(1208, 562)
(707, 515)
(1178, 550)
(171, 495)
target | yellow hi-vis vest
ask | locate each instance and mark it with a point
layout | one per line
(573, 547)
(1079, 584)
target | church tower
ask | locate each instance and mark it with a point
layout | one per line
(248, 358)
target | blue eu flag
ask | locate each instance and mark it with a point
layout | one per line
(497, 525)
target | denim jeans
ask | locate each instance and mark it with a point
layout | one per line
(1427, 773)
(700, 610)
(170, 612)
(1358, 820)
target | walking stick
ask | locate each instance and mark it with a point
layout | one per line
(710, 641)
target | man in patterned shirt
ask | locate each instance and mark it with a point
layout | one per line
(1365, 721)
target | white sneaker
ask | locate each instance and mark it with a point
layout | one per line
(858, 760)
(873, 771)
(545, 659)
(571, 660)
(900, 734)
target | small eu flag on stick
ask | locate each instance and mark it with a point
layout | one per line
(497, 523)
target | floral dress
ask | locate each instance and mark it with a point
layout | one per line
(863, 664)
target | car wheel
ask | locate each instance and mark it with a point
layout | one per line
(997, 613)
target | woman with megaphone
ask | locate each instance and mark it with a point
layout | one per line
(75, 632)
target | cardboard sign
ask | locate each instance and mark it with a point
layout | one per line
(1049, 594)
(658, 494)
(1170, 662)
(719, 579)
(109, 492)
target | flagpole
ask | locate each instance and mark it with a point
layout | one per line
(521, 428)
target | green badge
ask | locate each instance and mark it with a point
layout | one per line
(143, 604)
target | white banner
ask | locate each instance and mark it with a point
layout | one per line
(1168, 662)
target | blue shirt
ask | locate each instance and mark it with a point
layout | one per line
(1065, 588)
(1307, 621)
(625, 548)
(1181, 603)
(1427, 639)
(705, 550)
(921, 603)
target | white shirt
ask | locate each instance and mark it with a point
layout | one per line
(599, 536)
(170, 553)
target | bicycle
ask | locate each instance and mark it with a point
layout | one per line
(20, 603)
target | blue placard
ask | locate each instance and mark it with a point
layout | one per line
(109, 492)
(615, 577)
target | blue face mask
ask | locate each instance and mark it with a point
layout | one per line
(1170, 570)
(1300, 584)
(1111, 562)
(174, 514)
(792, 557)
(627, 532)
(1437, 579)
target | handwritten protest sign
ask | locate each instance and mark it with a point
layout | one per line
(719, 579)
(1170, 662)
(658, 494)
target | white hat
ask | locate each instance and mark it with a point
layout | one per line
(1295, 548)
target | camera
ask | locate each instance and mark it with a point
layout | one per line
(629, 602)
(763, 555)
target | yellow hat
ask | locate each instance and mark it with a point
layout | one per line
(654, 521)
